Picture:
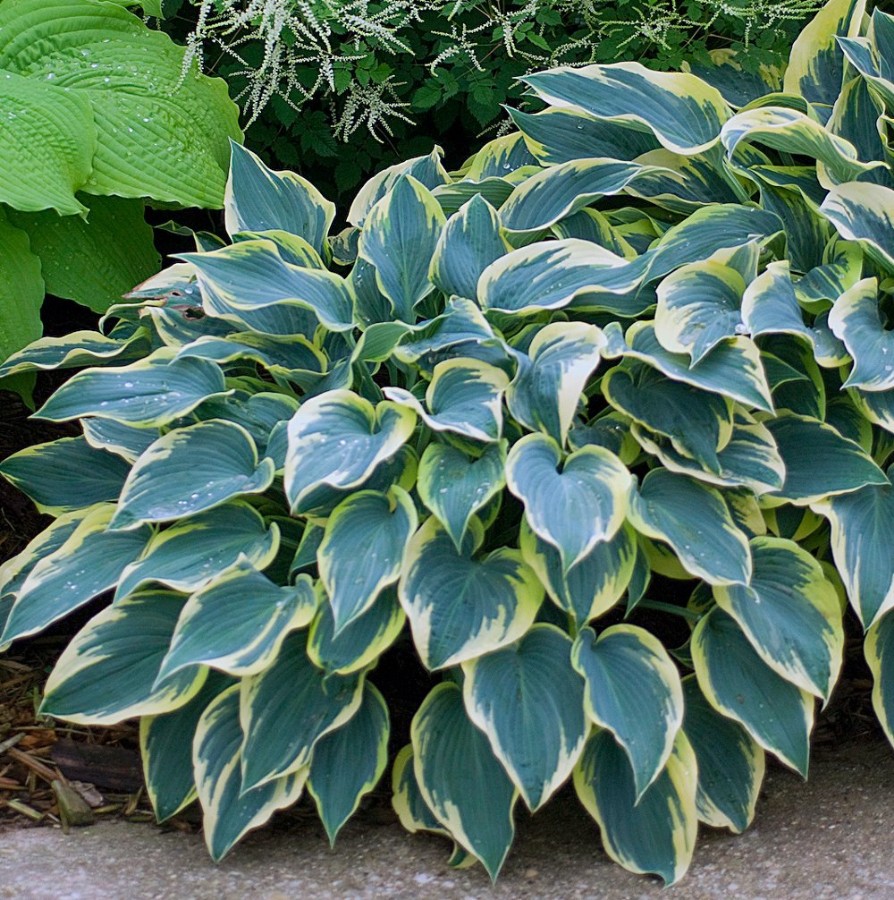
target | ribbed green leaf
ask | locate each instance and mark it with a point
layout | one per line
(348, 762)
(190, 470)
(460, 607)
(633, 690)
(652, 833)
(572, 503)
(738, 684)
(460, 779)
(380, 523)
(92, 686)
(695, 520)
(21, 294)
(540, 734)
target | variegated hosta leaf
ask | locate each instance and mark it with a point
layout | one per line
(260, 199)
(92, 686)
(862, 526)
(698, 307)
(237, 623)
(189, 554)
(649, 833)
(251, 284)
(869, 55)
(540, 734)
(633, 690)
(819, 462)
(460, 607)
(551, 274)
(287, 708)
(125, 441)
(695, 520)
(546, 390)
(499, 156)
(464, 397)
(166, 749)
(683, 112)
(454, 486)
(399, 238)
(79, 348)
(730, 764)
(461, 780)
(856, 320)
(879, 651)
(337, 440)
(591, 586)
(89, 562)
(380, 523)
(190, 470)
(468, 244)
(697, 423)
(65, 474)
(559, 191)
(152, 391)
(864, 212)
(407, 799)
(790, 613)
(359, 644)
(229, 810)
(294, 357)
(738, 684)
(348, 762)
(572, 502)
(732, 369)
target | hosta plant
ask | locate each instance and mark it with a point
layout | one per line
(595, 430)
(98, 117)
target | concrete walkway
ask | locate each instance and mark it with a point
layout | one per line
(830, 838)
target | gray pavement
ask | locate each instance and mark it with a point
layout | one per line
(832, 837)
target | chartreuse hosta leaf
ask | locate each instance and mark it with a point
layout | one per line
(166, 749)
(856, 320)
(454, 485)
(790, 613)
(732, 369)
(695, 520)
(464, 397)
(152, 391)
(738, 684)
(337, 439)
(698, 307)
(573, 502)
(682, 111)
(540, 734)
(65, 474)
(190, 470)
(461, 781)
(590, 587)
(359, 644)
(819, 462)
(92, 686)
(468, 244)
(237, 623)
(260, 199)
(730, 764)
(399, 238)
(230, 810)
(251, 284)
(348, 762)
(189, 554)
(649, 833)
(633, 690)
(864, 212)
(291, 690)
(89, 562)
(862, 526)
(380, 523)
(551, 377)
(551, 274)
(698, 423)
(460, 607)
(879, 652)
